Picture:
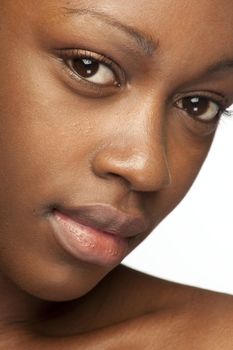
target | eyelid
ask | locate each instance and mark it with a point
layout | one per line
(72, 53)
(214, 97)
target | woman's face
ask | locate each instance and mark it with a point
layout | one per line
(108, 110)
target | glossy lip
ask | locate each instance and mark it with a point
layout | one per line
(99, 233)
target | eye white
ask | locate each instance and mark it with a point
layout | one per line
(103, 76)
(211, 112)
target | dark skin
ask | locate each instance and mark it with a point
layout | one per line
(134, 135)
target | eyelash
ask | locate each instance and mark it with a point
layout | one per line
(72, 54)
(227, 112)
(69, 54)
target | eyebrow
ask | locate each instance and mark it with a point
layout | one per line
(224, 65)
(146, 44)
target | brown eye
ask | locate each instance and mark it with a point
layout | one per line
(91, 70)
(200, 108)
(85, 67)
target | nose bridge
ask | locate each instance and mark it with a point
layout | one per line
(136, 151)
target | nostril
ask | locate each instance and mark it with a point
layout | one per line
(111, 176)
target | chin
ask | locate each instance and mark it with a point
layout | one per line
(57, 282)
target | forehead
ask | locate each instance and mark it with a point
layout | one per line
(188, 19)
(153, 11)
(149, 14)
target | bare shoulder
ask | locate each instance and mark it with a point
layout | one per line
(168, 294)
(192, 317)
(137, 293)
(210, 316)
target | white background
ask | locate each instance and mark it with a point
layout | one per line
(194, 244)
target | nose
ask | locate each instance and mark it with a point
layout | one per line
(135, 153)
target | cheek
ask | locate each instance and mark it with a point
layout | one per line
(41, 147)
(187, 150)
(39, 129)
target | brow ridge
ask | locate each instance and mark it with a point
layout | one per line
(223, 65)
(144, 41)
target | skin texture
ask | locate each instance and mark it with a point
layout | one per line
(65, 142)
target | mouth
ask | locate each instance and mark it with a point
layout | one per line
(99, 234)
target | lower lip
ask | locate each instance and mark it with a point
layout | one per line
(86, 243)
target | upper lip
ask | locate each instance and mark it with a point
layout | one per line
(108, 219)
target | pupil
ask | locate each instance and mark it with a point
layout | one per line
(86, 67)
(195, 105)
